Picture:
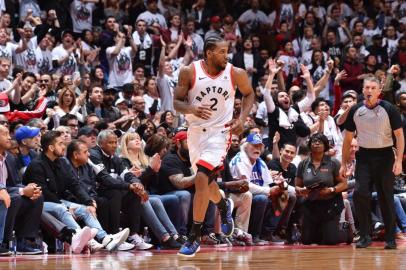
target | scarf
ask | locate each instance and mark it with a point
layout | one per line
(286, 120)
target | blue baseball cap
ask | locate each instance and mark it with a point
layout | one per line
(26, 132)
(254, 138)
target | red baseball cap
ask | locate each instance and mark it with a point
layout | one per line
(180, 136)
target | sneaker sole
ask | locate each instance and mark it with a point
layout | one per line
(232, 220)
(86, 237)
(122, 239)
(189, 256)
(29, 252)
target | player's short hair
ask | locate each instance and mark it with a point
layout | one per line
(211, 43)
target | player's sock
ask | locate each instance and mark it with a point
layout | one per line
(196, 231)
(222, 206)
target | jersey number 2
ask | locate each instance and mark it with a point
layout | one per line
(213, 106)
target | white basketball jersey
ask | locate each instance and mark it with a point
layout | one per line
(218, 92)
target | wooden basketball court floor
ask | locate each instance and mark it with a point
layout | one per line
(340, 257)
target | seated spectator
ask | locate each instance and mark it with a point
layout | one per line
(78, 157)
(248, 165)
(152, 211)
(65, 198)
(88, 135)
(23, 204)
(115, 177)
(29, 142)
(319, 180)
(176, 178)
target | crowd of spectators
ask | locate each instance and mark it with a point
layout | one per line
(90, 140)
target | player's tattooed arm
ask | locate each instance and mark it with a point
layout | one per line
(182, 182)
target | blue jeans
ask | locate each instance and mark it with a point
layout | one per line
(181, 213)
(60, 211)
(3, 213)
(400, 213)
(260, 204)
(154, 214)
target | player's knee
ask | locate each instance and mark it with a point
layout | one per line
(211, 174)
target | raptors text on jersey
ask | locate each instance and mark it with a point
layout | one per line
(217, 92)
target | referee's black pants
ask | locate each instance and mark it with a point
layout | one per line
(374, 168)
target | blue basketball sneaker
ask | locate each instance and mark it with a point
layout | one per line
(189, 249)
(227, 222)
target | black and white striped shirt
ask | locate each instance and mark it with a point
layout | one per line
(374, 126)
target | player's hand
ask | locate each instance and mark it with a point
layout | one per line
(236, 126)
(202, 111)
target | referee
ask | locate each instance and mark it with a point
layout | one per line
(375, 121)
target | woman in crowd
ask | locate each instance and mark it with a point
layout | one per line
(153, 211)
(319, 182)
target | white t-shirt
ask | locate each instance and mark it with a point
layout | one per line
(316, 75)
(44, 60)
(27, 58)
(4, 85)
(148, 103)
(120, 66)
(253, 19)
(197, 45)
(166, 86)
(262, 113)
(8, 50)
(81, 14)
(151, 18)
(69, 66)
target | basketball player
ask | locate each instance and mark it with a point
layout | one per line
(205, 94)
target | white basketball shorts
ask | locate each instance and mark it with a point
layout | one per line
(208, 146)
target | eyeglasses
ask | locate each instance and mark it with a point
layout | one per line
(43, 81)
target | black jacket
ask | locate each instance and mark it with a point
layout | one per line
(86, 178)
(56, 180)
(13, 182)
(114, 175)
(238, 61)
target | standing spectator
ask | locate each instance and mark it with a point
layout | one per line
(354, 70)
(250, 61)
(65, 57)
(152, 15)
(81, 12)
(144, 45)
(8, 49)
(253, 19)
(120, 59)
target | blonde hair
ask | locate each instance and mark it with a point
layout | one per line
(60, 98)
(138, 159)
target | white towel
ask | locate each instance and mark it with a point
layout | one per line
(286, 120)
(147, 42)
